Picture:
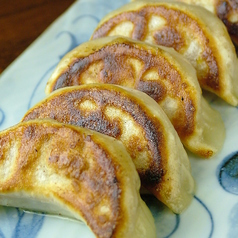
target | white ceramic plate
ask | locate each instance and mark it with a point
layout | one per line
(214, 210)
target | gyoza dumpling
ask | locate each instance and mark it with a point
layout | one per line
(63, 169)
(160, 72)
(191, 30)
(226, 10)
(138, 121)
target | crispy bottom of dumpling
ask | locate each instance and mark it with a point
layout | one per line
(138, 121)
(62, 169)
(160, 72)
(191, 30)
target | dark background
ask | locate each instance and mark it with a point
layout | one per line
(22, 21)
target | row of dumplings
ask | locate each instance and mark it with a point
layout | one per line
(137, 81)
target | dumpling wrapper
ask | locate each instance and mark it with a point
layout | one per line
(160, 72)
(138, 121)
(226, 10)
(63, 169)
(194, 32)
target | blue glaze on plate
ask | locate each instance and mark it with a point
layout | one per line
(1, 235)
(2, 116)
(72, 40)
(26, 227)
(228, 173)
(233, 222)
(166, 221)
(86, 16)
(32, 100)
(209, 213)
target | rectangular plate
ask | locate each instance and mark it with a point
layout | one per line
(214, 209)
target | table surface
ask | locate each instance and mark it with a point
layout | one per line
(21, 22)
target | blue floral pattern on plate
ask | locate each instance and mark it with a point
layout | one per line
(2, 116)
(22, 85)
(228, 173)
(19, 224)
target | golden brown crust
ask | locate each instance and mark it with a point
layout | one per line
(226, 10)
(71, 113)
(158, 71)
(67, 158)
(135, 119)
(168, 36)
(184, 27)
(115, 69)
(89, 180)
